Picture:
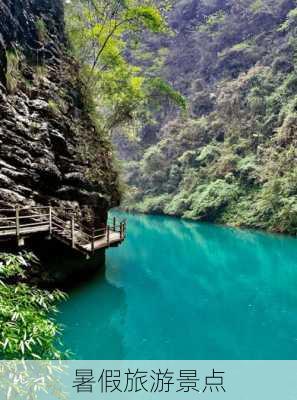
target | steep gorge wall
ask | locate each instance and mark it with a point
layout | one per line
(232, 158)
(50, 151)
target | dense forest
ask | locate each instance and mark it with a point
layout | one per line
(230, 157)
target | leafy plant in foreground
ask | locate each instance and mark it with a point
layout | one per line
(27, 327)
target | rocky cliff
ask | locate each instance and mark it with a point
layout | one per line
(50, 152)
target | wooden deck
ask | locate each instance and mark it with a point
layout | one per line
(114, 238)
(24, 222)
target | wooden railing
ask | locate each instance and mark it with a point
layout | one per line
(15, 218)
(67, 227)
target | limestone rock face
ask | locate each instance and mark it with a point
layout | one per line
(50, 151)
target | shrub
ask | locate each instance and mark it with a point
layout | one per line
(179, 204)
(291, 84)
(209, 200)
(41, 29)
(13, 74)
(153, 205)
(248, 170)
(208, 154)
(27, 329)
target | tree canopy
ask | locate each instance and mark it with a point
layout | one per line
(102, 36)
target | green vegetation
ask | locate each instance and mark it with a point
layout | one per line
(213, 22)
(13, 74)
(32, 381)
(102, 34)
(54, 107)
(232, 160)
(41, 29)
(28, 330)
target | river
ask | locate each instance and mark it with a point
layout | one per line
(184, 290)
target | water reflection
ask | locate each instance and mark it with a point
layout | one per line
(93, 319)
(181, 290)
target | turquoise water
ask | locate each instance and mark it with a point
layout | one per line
(184, 290)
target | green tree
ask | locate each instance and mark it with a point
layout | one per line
(102, 35)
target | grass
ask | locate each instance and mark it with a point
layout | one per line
(13, 74)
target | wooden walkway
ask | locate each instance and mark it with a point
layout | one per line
(24, 222)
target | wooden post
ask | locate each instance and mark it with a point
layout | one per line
(72, 232)
(17, 221)
(20, 241)
(93, 241)
(50, 220)
(107, 234)
(114, 224)
(124, 229)
(121, 230)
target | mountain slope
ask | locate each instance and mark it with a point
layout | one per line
(232, 159)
